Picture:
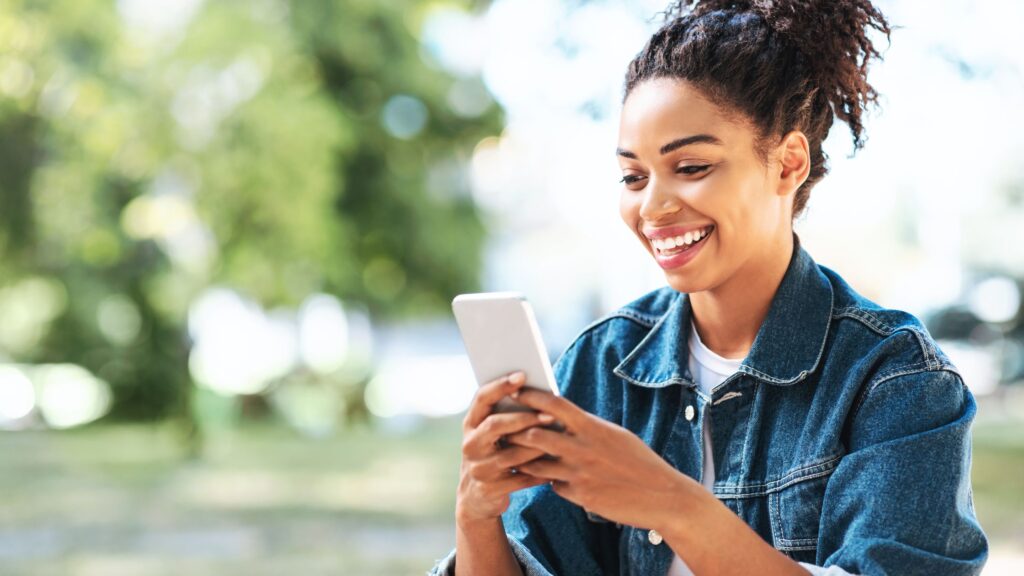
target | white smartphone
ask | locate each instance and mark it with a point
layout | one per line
(501, 336)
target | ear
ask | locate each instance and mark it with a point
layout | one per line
(795, 162)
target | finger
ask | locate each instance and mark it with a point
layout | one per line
(565, 411)
(515, 456)
(547, 441)
(496, 466)
(563, 489)
(512, 482)
(548, 469)
(489, 394)
(481, 440)
(496, 425)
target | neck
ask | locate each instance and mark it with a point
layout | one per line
(728, 316)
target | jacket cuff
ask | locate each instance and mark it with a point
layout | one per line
(445, 566)
(527, 563)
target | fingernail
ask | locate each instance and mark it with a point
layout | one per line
(545, 418)
(517, 378)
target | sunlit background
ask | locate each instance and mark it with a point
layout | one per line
(231, 231)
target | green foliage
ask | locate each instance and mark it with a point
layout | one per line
(246, 148)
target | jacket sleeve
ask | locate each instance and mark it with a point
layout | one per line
(900, 501)
(549, 535)
(528, 563)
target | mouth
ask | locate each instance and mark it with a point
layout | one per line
(669, 247)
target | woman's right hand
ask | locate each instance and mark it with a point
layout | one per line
(486, 479)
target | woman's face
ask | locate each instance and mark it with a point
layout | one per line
(692, 172)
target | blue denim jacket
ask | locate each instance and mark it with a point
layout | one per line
(843, 439)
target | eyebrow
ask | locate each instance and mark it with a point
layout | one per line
(676, 144)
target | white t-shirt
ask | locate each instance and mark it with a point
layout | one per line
(710, 370)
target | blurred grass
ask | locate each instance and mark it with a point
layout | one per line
(121, 500)
(998, 479)
(263, 500)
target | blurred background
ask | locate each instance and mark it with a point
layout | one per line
(230, 232)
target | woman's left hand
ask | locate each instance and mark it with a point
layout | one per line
(603, 467)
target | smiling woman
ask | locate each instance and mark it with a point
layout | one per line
(756, 415)
(692, 167)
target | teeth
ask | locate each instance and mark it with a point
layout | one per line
(689, 238)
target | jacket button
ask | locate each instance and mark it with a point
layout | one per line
(653, 537)
(689, 412)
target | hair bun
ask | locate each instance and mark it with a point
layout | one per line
(831, 36)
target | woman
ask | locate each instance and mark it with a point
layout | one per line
(757, 415)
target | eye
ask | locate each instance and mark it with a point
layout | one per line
(630, 179)
(692, 169)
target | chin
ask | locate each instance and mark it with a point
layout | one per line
(688, 279)
(684, 283)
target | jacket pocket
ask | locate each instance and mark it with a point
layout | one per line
(794, 508)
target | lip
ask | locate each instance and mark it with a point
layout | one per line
(656, 233)
(677, 260)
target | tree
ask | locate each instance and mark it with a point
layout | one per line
(279, 148)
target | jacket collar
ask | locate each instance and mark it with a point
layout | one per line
(788, 346)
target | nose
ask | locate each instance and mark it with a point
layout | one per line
(658, 201)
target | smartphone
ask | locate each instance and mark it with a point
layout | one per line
(501, 336)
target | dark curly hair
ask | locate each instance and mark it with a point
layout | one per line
(784, 64)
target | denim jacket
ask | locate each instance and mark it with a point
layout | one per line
(843, 439)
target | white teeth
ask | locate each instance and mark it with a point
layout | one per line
(691, 237)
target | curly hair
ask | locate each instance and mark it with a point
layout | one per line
(783, 64)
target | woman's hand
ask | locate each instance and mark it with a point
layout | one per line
(603, 467)
(486, 479)
(610, 471)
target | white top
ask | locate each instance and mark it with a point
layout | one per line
(710, 370)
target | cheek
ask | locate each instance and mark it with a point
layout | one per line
(729, 201)
(629, 210)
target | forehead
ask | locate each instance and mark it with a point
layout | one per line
(662, 109)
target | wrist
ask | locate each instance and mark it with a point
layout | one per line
(679, 515)
(469, 522)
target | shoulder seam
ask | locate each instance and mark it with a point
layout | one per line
(646, 320)
(882, 328)
(641, 319)
(918, 368)
(865, 317)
